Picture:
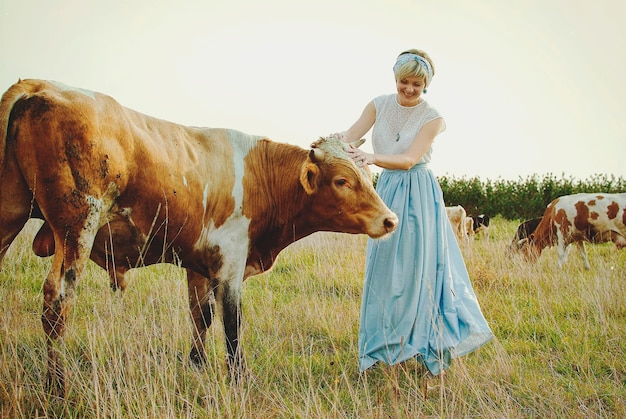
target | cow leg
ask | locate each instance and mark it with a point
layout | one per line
(563, 251)
(15, 203)
(8, 233)
(117, 280)
(583, 254)
(70, 259)
(202, 309)
(12, 220)
(58, 290)
(230, 297)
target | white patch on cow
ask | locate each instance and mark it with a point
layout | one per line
(205, 198)
(232, 236)
(92, 222)
(65, 87)
(242, 144)
(233, 242)
(85, 242)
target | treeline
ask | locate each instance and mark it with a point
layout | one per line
(521, 199)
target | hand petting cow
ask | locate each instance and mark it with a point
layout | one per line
(576, 219)
(128, 190)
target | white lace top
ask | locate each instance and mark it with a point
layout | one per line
(396, 126)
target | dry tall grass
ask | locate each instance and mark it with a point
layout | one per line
(559, 350)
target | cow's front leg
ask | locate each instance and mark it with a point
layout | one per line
(583, 254)
(202, 309)
(563, 250)
(117, 280)
(231, 306)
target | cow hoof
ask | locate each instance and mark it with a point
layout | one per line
(237, 370)
(197, 358)
(118, 285)
(238, 376)
(56, 387)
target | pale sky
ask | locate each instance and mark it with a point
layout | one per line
(526, 87)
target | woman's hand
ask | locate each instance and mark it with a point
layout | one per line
(338, 135)
(359, 156)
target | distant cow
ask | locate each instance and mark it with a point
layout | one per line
(469, 227)
(591, 217)
(457, 216)
(480, 224)
(128, 190)
(524, 230)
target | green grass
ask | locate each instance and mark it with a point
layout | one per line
(559, 350)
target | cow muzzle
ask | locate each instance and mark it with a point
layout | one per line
(386, 224)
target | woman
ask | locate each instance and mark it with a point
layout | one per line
(417, 298)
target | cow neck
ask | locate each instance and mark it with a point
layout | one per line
(278, 197)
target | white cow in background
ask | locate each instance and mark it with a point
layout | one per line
(457, 216)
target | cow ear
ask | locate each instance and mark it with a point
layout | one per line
(308, 177)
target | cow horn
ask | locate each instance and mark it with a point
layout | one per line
(316, 154)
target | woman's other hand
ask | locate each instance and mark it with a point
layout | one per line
(359, 156)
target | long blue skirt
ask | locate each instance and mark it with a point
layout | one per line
(418, 301)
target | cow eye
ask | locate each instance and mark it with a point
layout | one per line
(341, 182)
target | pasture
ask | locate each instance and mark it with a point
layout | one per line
(559, 351)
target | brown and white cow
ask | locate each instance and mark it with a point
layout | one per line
(576, 219)
(128, 190)
(457, 216)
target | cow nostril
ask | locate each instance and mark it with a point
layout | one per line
(390, 223)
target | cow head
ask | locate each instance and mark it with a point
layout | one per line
(528, 248)
(342, 195)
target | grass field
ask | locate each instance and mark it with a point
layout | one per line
(559, 351)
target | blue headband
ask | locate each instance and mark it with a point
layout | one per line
(405, 58)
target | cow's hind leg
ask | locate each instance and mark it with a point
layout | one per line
(16, 202)
(8, 233)
(202, 308)
(72, 249)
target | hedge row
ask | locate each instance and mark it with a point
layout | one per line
(522, 199)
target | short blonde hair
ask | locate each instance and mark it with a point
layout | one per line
(414, 68)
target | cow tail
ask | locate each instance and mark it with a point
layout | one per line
(9, 99)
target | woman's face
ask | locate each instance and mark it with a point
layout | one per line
(410, 90)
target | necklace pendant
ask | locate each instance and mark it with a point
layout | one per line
(397, 137)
